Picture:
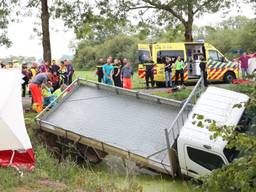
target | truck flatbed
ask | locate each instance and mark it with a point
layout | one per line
(114, 120)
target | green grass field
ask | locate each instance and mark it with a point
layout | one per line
(179, 95)
(91, 75)
(140, 84)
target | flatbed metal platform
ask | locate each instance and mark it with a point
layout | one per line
(122, 122)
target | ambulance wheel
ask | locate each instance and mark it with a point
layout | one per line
(229, 77)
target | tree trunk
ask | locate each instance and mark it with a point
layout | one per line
(188, 31)
(45, 29)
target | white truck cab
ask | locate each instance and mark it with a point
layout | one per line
(197, 154)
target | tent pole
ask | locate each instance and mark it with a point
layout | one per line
(13, 152)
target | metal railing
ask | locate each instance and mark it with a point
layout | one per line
(63, 96)
(187, 106)
(173, 132)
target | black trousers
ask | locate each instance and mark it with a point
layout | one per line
(24, 89)
(100, 75)
(69, 79)
(205, 78)
(149, 75)
(117, 81)
(181, 74)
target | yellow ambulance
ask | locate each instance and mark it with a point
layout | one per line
(219, 68)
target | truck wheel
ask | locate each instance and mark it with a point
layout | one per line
(229, 77)
(90, 154)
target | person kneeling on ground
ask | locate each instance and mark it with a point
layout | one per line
(35, 87)
(58, 92)
(127, 73)
(48, 97)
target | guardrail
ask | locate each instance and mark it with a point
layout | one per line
(184, 111)
(172, 133)
(63, 96)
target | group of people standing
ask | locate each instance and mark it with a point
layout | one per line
(179, 66)
(46, 79)
(118, 72)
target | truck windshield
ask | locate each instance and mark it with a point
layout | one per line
(245, 125)
(143, 55)
(231, 154)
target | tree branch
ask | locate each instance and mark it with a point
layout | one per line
(142, 7)
(201, 6)
(166, 7)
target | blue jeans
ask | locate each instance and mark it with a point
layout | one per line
(244, 72)
(168, 78)
(107, 81)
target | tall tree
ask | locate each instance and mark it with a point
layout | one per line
(45, 31)
(43, 6)
(183, 11)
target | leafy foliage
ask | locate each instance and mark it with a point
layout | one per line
(88, 21)
(166, 12)
(6, 9)
(120, 46)
(230, 35)
(19, 59)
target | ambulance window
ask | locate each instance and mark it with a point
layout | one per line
(213, 55)
(207, 160)
(143, 55)
(169, 53)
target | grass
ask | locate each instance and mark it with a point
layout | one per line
(179, 95)
(52, 175)
(91, 75)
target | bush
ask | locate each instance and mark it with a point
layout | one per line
(121, 46)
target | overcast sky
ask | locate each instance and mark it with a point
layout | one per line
(26, 43)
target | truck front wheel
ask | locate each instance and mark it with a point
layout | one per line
(229, 77)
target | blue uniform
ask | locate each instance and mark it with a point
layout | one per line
(108, 71)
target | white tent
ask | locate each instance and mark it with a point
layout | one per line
(15, 146)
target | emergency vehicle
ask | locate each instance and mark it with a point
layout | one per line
(219, 68)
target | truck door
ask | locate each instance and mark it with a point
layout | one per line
(200, 161)
(219, 68)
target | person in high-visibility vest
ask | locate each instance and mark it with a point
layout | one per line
(149, 67)
(36, 90)
(34, 70)
(203, 67)
(179, 71)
